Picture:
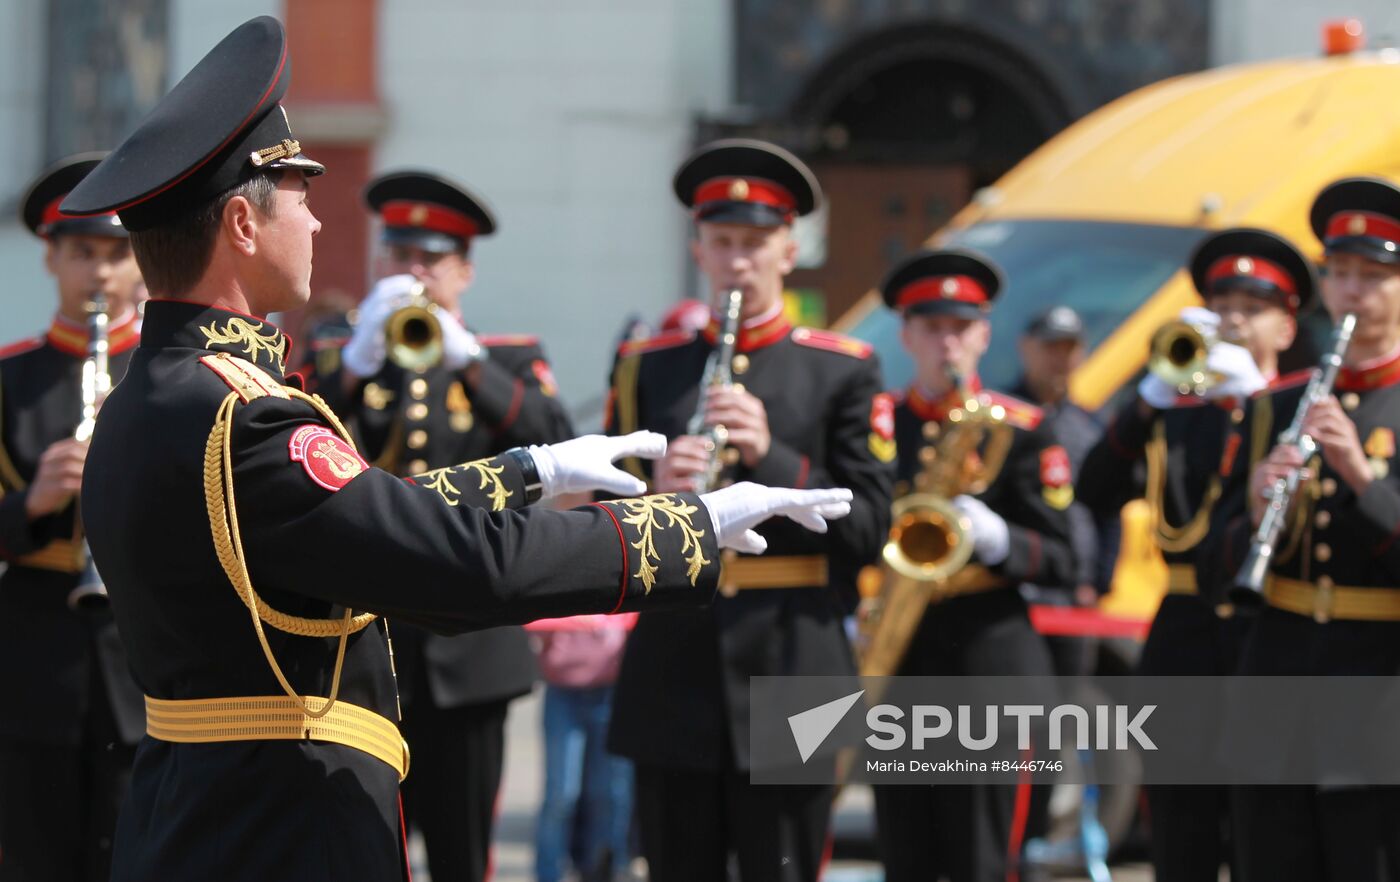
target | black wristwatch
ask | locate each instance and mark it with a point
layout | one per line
(534, 489)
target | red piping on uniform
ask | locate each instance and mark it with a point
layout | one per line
(803, 469)
(1385, 544)
(215, 152)
(622, 542)
(491, 846)
(1034, 542)
(19, 346)
(827, 848)
(517, 396)
(1019, 815)
(403, 832)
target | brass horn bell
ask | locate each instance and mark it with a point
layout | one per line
(414, 333)
(1178, 357)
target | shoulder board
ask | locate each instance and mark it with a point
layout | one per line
(508, 340)
(244, 377)
(1021, 414)
(651, 344)
(832, 342)
(19, 346)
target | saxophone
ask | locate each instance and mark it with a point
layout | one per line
(930, 541)
(90, 595)
(719, 373)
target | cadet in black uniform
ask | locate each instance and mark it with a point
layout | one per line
(1020, 533)
(65, 750)
(1333, 599)
(477, 397)
(802, 413)
(1171, 448)
(249, 549)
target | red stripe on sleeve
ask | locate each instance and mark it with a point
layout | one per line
(622, 542)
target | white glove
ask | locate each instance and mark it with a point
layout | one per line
(459, 346)
(1157, 392)
(1202, 318)
(586, 463)
(1239, 375)
(735, 510)
(364, 355)
(991, 539)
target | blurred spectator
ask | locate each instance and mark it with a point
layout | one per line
(586, 814)
(1051, 347)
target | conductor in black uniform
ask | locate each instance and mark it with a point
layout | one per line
(1332, 599)
(977, 624)
(250, 551)
(417, 407)
(803, 411)
(66, 745)
(1170, 447)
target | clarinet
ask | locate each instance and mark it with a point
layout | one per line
(718, 374)
(90, 595)
(1248, 590)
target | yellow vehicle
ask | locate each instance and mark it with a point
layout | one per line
(1104, 215)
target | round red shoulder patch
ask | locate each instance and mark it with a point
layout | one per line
(882, 415)
(327, 458)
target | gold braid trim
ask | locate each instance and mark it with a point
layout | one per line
(1189, 534)
(642, 514)
(228, 544)
(625, 405)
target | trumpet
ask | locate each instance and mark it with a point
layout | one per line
(1178, 356)
(719, 373)
(413, 333)
(1248, 590)
(90, 594)
(930, 541)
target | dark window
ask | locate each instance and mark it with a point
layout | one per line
(107, 62)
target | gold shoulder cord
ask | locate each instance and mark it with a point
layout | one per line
(1189, 534)
(625, 405)
(223, 523)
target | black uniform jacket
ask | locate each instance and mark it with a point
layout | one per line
(320, 529)
(1032, 491)
(407, 422)
(682, 696)
(1189, 444)
(1334, 536)
(47, 651)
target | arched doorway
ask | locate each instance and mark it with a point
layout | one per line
(911, 121)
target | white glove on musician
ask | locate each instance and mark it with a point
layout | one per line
(1239, 376)
(735, 510)
(459, 346)
(586, 463)
(364, 355)
(991, 538)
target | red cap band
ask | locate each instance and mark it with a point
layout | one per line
(964, 289)
(1363, 223)
(427, 216)
(1246, 266)
(52, 215)
(735, 189)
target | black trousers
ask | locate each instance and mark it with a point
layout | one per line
(1188, 831)
(59, 803)
(691, 822)
(961, 831)
(1301, 834)
(456, 756)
